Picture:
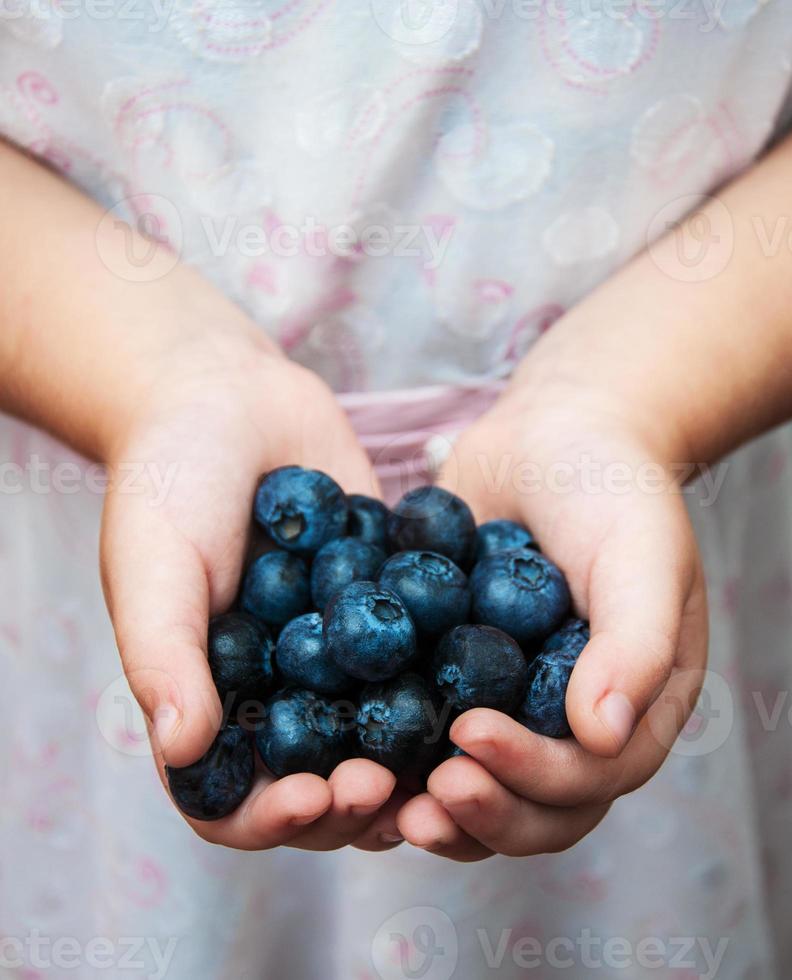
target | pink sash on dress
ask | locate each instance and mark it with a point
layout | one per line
(409, 432)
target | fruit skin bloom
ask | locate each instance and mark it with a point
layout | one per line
(368, 520)
(502, 535)
(434, 590)
(300, 509)
(341, 562)
(480, 667)
(368, 632)
(433, 519)
(240, 653)
(301, 656)
(219, 781)
(399, 725)
(303, 732)
(544, 707)
(277, 587)
(520, 592)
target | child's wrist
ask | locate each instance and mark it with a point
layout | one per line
(545, 386)
(183, 363)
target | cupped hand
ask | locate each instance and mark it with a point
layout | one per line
(174, 536)
(588, 479)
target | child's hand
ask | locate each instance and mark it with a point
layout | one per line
(144, 362)
(663, 362)
(634, 571)
(172, 556)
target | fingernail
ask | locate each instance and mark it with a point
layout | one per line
(303, 820)
(364, 811)
(618, 716)
(165, 722)
(464, 809)
(391, 838)
(480, 747)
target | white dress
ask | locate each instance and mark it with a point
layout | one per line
(404, 195)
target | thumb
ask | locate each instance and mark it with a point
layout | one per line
(644, 583)
(157, 592)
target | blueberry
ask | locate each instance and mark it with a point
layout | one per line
(368, 631)
(432, 519)
(302, 658)
(368, 520)
(480, 667)
(240, 652)
(520, 592)
(501, 535)
(400, 724)
(571, 636)
(300, 509)
(219, 781)
(341, 562)
(303, 732)
(432, 588)
(544, 707)
(277, 587)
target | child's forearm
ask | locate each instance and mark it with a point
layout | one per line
(702, 365)
(80, 344)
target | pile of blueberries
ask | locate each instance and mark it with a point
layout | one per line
(363, 632)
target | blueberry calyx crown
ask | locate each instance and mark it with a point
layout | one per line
(384, 609)
(289, 526)
(447, 680)
(529, 573)
(372, 723)
(433, 564)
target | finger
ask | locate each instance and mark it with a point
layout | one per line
(349, 466)
(383, 834)
(643, 585)
(360, 789)
(427, 825)
(275, 813)
(502, 821)
(272, 816)
(157, 592)
(560, 772)
(463, 473)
